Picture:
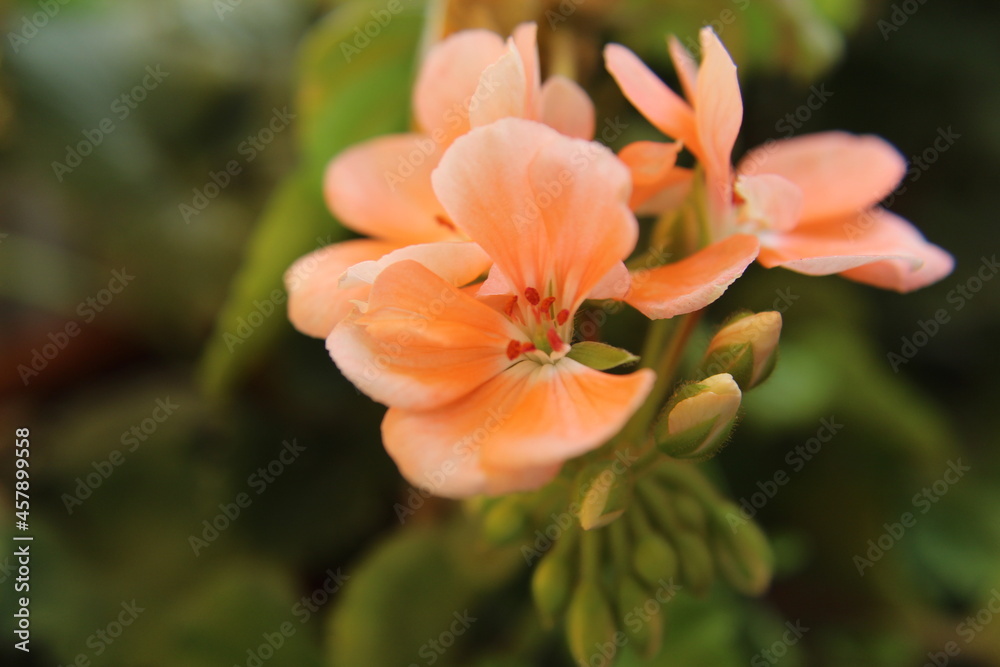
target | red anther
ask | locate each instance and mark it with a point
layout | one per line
(531, 294)
(444, 222)
(509, 306)
(528, 347)
(546, 303)
(562, 316)
(513, 349)
(554, 340)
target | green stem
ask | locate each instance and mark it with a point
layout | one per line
(671, 337)
(590, 555)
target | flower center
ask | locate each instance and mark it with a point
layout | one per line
(547, 327)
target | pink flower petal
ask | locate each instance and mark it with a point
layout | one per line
(545, 207)
(448, 81)
(654, 100)
(566, 107)
(904, 259)
(421, 342)
(770, 200)
(316, 303)
(840, 174)
(694, 282)
(382, 188)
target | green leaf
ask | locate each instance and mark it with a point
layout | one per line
(409, 591)
(600, 356)
(341, 101)
(255, 309)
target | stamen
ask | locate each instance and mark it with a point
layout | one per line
(546, 303)
(508, 308)
(445, 222)
(531, 294)
(528, 347)
(554, 340)
(562, 316)
(513, 349)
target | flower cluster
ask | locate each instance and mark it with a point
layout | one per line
(494, 222)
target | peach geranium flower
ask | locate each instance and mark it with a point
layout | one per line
(381, 188)
(483, 391)
(811, 201)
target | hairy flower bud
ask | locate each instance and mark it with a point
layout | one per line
(746, 347)
(699, 418)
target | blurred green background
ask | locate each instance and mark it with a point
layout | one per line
(160, 167)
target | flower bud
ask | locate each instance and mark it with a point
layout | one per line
(699, 418)
(504, 521)
(697, 567)
(590, 625)
(742, 552)
(690, 512)
(604, 495)
(552, 582)
(654, 559)
(746, 347)
(644, 629)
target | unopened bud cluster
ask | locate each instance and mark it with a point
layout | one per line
(611, 583)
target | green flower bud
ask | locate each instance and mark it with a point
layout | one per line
(699, 418)
(590, 626)
(551, 584)
(697, 568)
(742, 552)
(654, 559)
(505, 521)
(644, 629)
(746, 347)
(690, 512)
(604, 495)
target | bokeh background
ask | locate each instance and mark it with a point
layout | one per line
(154, 294)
